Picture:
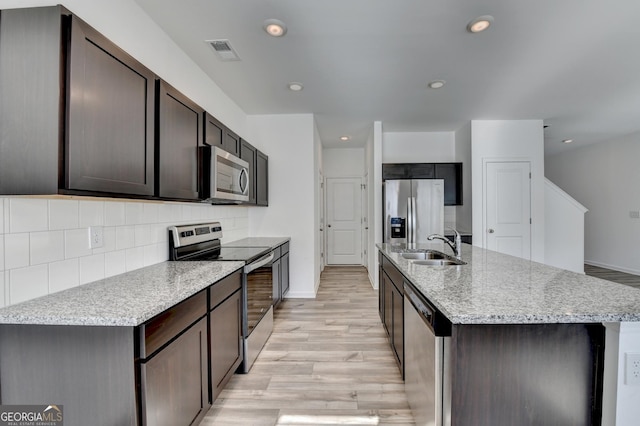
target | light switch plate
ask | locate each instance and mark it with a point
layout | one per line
(96, 237)
(632, 368)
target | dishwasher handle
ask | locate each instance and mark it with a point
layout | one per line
(425, 311)
(435, 320)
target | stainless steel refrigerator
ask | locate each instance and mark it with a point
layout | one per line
(413, 210)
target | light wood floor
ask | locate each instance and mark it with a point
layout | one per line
(327, 363)
(611, 275)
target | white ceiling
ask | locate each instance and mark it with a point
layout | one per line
(573, 63)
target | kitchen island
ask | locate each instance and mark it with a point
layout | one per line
(527, 340)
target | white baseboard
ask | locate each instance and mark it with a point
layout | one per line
(299, 295)
(614, 267)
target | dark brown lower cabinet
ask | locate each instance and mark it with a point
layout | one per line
(175, 380)
(392, 315)
(397, 339)
(226, 330)
(527, 374)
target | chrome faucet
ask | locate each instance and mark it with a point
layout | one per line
(455, 246)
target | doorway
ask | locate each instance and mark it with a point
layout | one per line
(507, 218)
(344, 223)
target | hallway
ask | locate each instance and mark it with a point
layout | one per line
(327, 362)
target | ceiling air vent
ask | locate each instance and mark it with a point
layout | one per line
(224, 50)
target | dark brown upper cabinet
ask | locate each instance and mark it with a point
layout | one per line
(450, 172)
(452, 175)
(76, 112)
(231, 142)
(180, 133)
(262, 179)
(216, 134)
(248, 154)
(258, 173)
(110, 124)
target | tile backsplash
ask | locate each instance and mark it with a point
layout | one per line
(44, 243)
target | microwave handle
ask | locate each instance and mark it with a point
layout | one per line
(244, 173)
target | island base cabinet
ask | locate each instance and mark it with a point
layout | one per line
(527, 374)
(89, 371)
(174, 382)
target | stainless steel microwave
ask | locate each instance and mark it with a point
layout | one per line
(224, 177)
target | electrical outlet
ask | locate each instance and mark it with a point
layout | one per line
(96, 237)
(634, 214)
(632, 368)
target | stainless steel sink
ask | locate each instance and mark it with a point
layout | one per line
(432, 254)
(431, 258)
(439, 262)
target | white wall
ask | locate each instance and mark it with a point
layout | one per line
(464, 216)
(620, 401)
(375, 196)
(44, 243)
(292, 201)
(372, 186)
(418, 147)
(318, 180)
(343, 162)
(605, 177)
(564, 229)
(509, 140)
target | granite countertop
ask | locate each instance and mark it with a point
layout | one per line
(128, 299)
(271, 242)
(494, 288)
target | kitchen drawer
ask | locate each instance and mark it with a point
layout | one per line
(162, 328)
(224, 288)
(394, 274)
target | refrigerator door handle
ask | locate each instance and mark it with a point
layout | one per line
(414, 222)
(411, 221)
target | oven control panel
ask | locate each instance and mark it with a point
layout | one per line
(184, 235)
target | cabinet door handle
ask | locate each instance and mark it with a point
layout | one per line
(491, 231)
(328, 226)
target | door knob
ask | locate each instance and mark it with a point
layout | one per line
(328, 226)
(321, 229)
(491, 231)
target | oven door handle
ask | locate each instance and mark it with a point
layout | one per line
(258, 263)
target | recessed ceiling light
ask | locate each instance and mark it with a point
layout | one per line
(480, 24)
(436, 84)
(274, 27)
(344, 138)
(295, 87)
(567, 141)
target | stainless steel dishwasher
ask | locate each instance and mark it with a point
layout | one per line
(427, 363)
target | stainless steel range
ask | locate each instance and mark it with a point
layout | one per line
(201, 242)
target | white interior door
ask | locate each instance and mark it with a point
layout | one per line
(365, 222)
(344, 228)
(508, 208)
(322, 240)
